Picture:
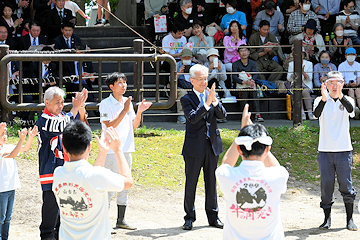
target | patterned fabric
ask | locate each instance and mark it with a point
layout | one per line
(297, 19)
(308, 43)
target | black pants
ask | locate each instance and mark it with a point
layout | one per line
(50, 217)
(254, 104)
(193, 166)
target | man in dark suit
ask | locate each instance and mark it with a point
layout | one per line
(33, 38)
(5, 40)
(56, 17)
(67, 40)
(42, 7)
(202, 144)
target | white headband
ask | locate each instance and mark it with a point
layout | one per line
(247, 141)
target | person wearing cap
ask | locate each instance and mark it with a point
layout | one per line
(310, 37)
(245, 66)
(183, 80)
(200, 40)
(252, 190)
(333, 109)
(202, 144)
(307, 83)
(350, 69)
(216, 74)
(336, 50)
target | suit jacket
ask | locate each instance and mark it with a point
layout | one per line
(25, 41)
(34, 70)
(53, 22)
(197, 118)
(12, 44)
(10, 29)
(59, 41)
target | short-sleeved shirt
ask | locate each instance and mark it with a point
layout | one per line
(111, 108)
(252, 195)
(9, 176)
(81, 192)
(72, 6)
(186, 23)
(334, 125)
(173, 45)
(237, 16)
(349, 72)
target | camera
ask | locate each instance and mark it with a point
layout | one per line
(187, 68)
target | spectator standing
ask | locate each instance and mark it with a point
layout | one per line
(184, 82)
(307, 83)
(275, 18)
(322, 68)
(199, 40)
(9, 174)
(42, 7)
(153, 10)
(298, 19)
(326, 11)
(350, 69)
(106, 5)
(264, 56)
(337, 51)
(117, 111)
(351, 26)
(51, 153)
(88, 185)
(202, 145)
(333, 109)
(247, 67)
(10, 21)
(200, 7)
(75, 9)
(217, 74)
(312, 41)
(259, 174)
(185, 18)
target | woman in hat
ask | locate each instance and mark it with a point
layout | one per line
(337, 52)
(307, 84)
(312, 41)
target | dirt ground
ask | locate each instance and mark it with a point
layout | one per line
(158, 213)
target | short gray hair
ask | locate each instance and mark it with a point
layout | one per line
(335, 75)
(184, 2)
(198, 68)
(53, 91)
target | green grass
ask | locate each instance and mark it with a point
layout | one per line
(157, 161)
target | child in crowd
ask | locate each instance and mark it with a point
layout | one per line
(9, 178)
(75, 9)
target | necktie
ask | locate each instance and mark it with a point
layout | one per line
(34, 42)
(68, 43)
(201, 99)
(47, 71)
(76, 68)
(61, 16)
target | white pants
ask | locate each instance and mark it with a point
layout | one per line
(111, 163)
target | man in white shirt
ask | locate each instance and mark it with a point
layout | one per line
(81, 190)
(335, 150)
(252, 190)
(117, 111)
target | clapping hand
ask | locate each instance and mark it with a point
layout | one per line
(323, 92)
(143, 106)
(80, 98)
(33, 132)
(22, 134)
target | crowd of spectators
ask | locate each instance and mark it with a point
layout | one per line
(328, 30)
(51, 29)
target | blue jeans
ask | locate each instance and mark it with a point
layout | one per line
(339, 163)
(6, 209)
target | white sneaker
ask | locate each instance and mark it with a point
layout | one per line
(303, 116)
(311, 116)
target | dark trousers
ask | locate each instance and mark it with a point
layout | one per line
(192, 170)
(341, 164)
(254, 104)
(50, 217)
